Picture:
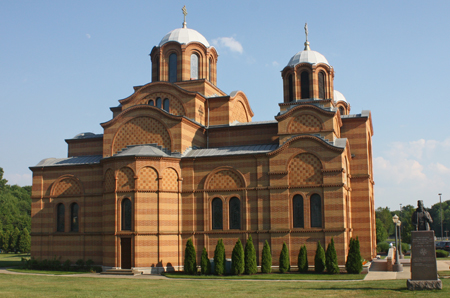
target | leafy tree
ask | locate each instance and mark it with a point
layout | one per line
(205, 263)
(237, 259)
(385, 215)
(6, 241)
(381, 231)
(250, 257)
(285, 265)
(331, 261)
(303, 259)
(266, 262)
(190, 263)
(25, 241)
(14, 240)
(219, 258)
(354, 261)
(319, 259)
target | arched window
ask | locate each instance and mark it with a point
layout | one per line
(297, 208)
(304, 77)
(194, 67)
(151, 102)
(156, 69)
(235, 213)
(166, 105)
(126, 215)
(173, 67)
(210, 69)
(74, 217)
(291, 88)
(341, 110)
(321, 77)
(158, 102)
(316, 211)
(217, 222)
(60, 218)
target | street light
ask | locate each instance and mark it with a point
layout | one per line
(397, 266)
(399, 225)
(442, 219)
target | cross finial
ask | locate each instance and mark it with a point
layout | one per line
(185, 14)
(306, 42)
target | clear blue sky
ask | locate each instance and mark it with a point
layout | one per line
(64, 63)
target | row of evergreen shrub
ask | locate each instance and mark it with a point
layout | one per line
(244, 261)
(56, 265)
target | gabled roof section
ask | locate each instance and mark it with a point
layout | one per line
(69, 161)
(229, 151)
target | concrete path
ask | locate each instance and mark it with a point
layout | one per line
(406, 274)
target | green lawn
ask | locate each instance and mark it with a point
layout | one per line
(11, 260)
(46, 272)
(273, 276)
(62, 286)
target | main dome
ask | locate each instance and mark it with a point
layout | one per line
(308, 56)
(338, 96)
(184, 36)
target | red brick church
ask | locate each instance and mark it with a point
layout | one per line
(182, 159)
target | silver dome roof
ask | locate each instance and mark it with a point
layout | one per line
(308, 56)
(338, 96)
(184, 36)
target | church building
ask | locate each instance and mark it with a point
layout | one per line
(181, 159)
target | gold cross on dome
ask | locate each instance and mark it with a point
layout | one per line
(185, 14)
(306, 31)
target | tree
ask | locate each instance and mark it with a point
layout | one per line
(319, 259)
(285, 265)
(219, 258)
(331, 261)
(266, 262)
(250, 257)
(354, 261)
(237, 259)
(6, 241)
(385, 215)
(381, 231)
(14, 240)
(190, 263)
(25, 241)
(303, 259)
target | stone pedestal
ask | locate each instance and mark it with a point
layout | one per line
(423, 262)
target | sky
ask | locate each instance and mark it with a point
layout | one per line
(63, 64)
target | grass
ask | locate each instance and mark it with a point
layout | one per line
(273, 276)
(444, 273)
(11, 260)
(75, 286)
(46, 271)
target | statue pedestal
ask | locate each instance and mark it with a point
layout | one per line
(423, 262)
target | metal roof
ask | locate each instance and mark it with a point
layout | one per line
(231, 150)
(308, 56)
(184, 36)
(144, 150)
(338, 96)
(77, 160)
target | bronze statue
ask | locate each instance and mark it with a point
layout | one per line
(421, 218)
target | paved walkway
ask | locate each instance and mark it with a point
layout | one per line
(406, 274)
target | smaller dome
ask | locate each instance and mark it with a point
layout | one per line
(308, 56)
(338, 96)
(184, 36)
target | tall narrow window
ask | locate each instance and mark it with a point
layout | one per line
(194, 67)
(304, 77)
(60, 218)
(158, 102)
(235, 213)
(210, 70)
(316, 211)
(321, 77)
(151, 102)
(157, 68)
(166, 105)
(126, 215)
(74, 217)
(341, 110)
(291, 88)
(173, 67)
(217, 222)
(297, 206)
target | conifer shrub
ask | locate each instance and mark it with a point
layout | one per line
(205, 263)
(250, 257)
(319, 259)
(441, 253)
(190, 263)
(237, 259)
(266, 262)
(331, 262)
(219, 258)
(284, 259)
(303, 260)
(25, 241)
(354, 261)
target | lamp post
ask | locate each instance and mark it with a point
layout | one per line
(442, 219)
(399, 225)
(397, 266)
